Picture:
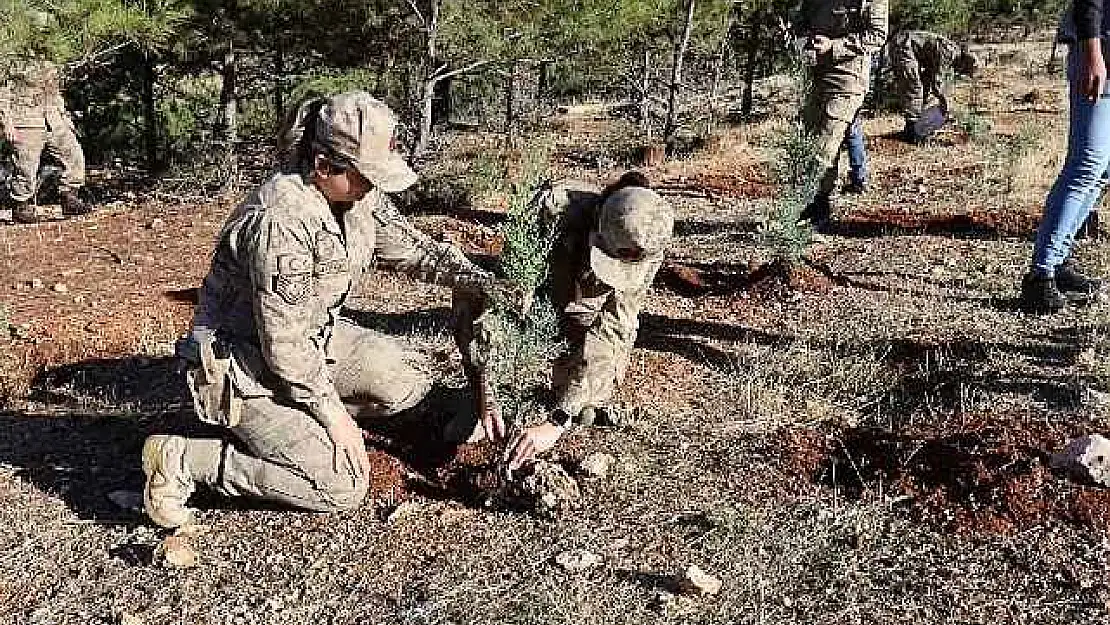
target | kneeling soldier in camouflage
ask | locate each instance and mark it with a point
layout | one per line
(275, 362)
(610, 244)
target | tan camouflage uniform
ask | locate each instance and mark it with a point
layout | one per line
(35, 122)
(857, 29)
(282, 271)
(918, 59)
(599, 321)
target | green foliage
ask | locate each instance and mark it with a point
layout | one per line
(522, 347)
(69, 30)
(798, 172)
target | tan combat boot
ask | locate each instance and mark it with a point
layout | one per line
(168, 481)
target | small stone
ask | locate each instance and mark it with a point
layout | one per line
(697, 582)
(35, 283)
(157, 224)
(130, 619)
(129, 500)
(79, 299)
(178, 553)
(61, 288)
(596, 465)
(403, 511)
(577, 560)
(1086, 458)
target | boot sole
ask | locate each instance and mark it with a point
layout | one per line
(153, 456)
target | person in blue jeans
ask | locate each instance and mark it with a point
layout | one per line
(857, 158)
(1052, 273)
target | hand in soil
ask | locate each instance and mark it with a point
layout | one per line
(490, 412)
(531, 442)
(349, 448)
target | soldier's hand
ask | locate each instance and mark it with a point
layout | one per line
(350, 451)
(1092, 69)
(821, 44)
(489, 411)
(531, 442)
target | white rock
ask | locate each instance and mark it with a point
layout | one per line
(577, 560)
(61, 288)
(1086, 458)
(157, 224)
(596, 465)
(130, 619)
(178, 553)
(697, 582)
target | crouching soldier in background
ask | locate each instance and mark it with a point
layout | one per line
(919, 60)
(838, 39)
(35, 122)
(275, 361)
(610, 244)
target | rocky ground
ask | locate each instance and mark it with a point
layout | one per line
(864, 437)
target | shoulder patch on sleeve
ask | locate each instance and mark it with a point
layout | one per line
(293, 280)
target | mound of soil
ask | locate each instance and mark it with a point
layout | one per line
(990, 475)
(881, 221)
(778, 279)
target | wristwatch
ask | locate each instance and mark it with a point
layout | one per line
(559, 418)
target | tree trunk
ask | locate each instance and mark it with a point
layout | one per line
(279, 83)
(671, 126)
(150, 120)
(645, 84)
(229, 105)
(752, 45)
(510, 102)
(441, 102)
(431, 30)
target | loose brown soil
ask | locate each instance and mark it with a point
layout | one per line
(989, 474)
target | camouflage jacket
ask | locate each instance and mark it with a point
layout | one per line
(283, 268)
(928, 53)
(857, 30)
(599, 322)
(31, 95)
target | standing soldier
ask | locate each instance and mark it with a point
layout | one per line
(35, 122)
(274, 359)
(918, 59)
(838, 38)
(610, 244)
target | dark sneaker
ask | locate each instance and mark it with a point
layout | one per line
(72, 204)
(856, 187)
(24, 213)
(1040, 296)
(1070, 280)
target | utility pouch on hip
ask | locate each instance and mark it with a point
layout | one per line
(210, 383)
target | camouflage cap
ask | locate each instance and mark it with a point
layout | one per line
(634, 228)
(359, 128)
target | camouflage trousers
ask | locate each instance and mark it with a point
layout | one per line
(286, 456)
(827, 117)
(56, 140)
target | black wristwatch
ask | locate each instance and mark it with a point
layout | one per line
(559, 418)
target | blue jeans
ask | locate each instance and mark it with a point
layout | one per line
(1080, 181)
(857, 153)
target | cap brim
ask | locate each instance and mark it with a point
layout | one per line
(390, 173)
(623, 275)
